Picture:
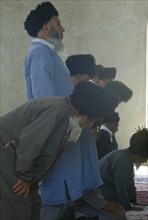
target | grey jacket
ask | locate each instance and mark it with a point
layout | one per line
(118, 176)
(40, 127)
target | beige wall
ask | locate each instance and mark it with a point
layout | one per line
(113, 31)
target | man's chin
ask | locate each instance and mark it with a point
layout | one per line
(58, 44)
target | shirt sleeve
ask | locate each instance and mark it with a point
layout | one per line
(42, 68)
(132, 190)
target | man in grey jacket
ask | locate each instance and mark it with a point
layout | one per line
(33, 135)
(117, 170)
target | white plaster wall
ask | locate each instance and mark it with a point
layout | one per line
(114, 31)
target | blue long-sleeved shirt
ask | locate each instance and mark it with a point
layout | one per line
(77, 167)
(45, 72)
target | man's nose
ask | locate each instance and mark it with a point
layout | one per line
(62, 29)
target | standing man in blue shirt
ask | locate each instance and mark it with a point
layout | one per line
(45, 72)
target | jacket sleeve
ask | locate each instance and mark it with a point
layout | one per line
(132, 190)
(122, 175)
(33, 139)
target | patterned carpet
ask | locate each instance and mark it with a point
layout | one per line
(138, 215)
(141, 183)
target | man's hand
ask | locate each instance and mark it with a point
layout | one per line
(114, 207)
(21, 188)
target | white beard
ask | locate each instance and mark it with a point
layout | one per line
(55, 38)
(58, 45)
(63, 54)
(75, 129)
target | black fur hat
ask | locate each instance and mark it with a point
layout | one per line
(93, 101)
(112, 118)
(38, 17)
(120, 89)
(105, 72)
(81, 64)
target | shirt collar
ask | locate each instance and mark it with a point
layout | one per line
(103, 127)
(90, 80)
(45, 42)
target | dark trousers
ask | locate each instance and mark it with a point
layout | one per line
(88, 218)
(13, 207)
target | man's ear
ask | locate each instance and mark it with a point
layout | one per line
(46, 28)
(75, 79)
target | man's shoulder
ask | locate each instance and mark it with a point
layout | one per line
(40, 53)
(104, 134)
(120, 155)
(37, 47)
(49, 99)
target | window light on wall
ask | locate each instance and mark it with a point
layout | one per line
(147, 77)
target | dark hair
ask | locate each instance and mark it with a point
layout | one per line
(105, 72)
(81, 64)
(93, 101)
(120, 89)
(139, 142)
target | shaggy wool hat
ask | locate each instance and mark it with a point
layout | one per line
(38, 17)
(105, 72)
(93, 101)
(120, 89)
(81, 64)
(112, 118)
